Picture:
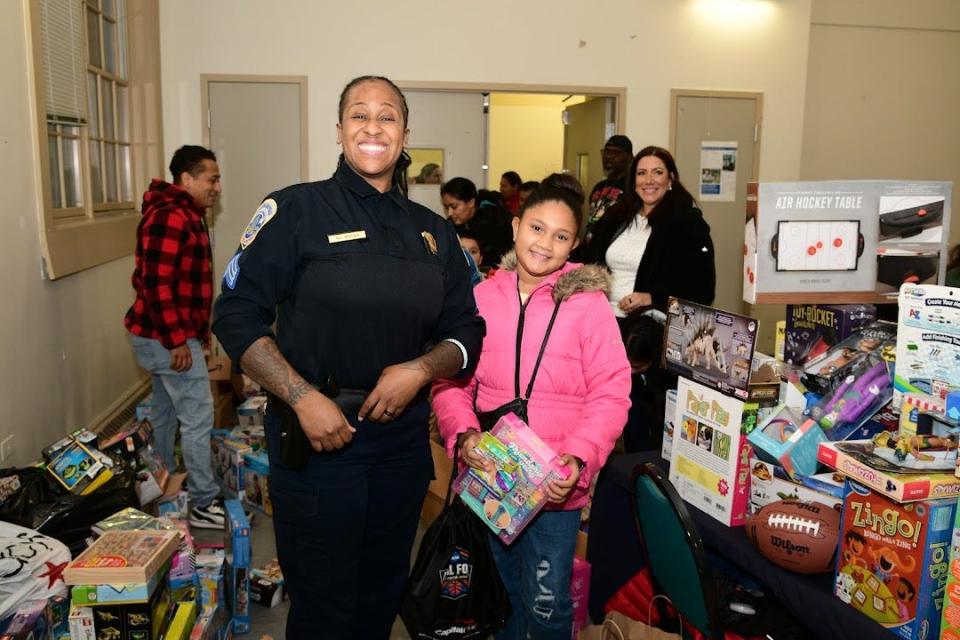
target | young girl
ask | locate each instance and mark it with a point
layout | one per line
(578, 403)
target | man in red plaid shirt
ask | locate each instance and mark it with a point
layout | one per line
(169, 323)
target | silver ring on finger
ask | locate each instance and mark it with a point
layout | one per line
(388, 413)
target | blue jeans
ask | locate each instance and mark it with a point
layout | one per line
(536, 571)
(185, 397)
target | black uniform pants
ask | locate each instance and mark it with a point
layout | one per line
(345, 526)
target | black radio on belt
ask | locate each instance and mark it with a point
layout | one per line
(295, 447)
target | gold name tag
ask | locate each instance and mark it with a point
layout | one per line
(345, 237)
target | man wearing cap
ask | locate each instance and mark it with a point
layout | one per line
(617, 154)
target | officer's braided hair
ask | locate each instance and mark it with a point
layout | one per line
(400, 169)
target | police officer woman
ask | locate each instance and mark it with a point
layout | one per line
(372, 300)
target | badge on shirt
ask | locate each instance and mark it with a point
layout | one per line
(429, 241)
(334, 238)
(264, 214)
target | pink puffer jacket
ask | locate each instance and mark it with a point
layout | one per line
(581, 393)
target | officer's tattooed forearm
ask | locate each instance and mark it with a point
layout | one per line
(443, 361)
(263, 362)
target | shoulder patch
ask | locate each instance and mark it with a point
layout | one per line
(263, 215)
(232, 272)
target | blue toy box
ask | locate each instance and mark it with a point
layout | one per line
(238, 566)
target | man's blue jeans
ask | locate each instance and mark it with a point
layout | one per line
(185, 397)
(536, 571)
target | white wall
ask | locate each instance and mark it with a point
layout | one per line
(62, 344)
(648, 46)
(882, 93)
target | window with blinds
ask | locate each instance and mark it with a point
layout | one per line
(86, 90)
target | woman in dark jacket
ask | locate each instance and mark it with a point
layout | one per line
(656, 244)
(657, 227)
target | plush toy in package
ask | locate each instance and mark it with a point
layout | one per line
(509, 498)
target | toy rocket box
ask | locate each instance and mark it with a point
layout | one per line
(813, 328)
(507, 500)
(710, 458)
(892, 562)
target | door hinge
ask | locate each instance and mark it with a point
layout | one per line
(756, 131)
(210, 120)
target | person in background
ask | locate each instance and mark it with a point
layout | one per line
(371, 300)
(578, 402)
(526, 189)
(656, 244)
(169, 320)
(431, 173)
(471, 251)
(478, 215)
(616, 154)
(510, 183)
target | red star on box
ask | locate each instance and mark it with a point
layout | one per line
(54, 573)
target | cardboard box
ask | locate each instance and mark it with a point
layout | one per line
(950, 620)
(669, 417)
(769, 483)
(143, 621)
(251, 411)
(265, 591)
(28, 622)
(853, 458)
(928, 341)
(710, 462)
(237, 550)
(256, 474)
(227, 456)
(819, 242)
(813, 328)
(58, 618)
(893, 560)
(81, 623)
(788, 439)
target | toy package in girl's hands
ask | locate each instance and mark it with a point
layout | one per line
(509, 498)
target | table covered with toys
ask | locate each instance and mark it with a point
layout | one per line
(828, 474)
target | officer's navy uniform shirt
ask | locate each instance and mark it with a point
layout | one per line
(347, 305)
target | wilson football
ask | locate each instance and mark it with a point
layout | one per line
(796, 535)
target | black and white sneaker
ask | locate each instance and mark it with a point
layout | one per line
(211, 516)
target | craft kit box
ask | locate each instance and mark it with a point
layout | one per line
(710, 461)
(812, 328)
(928, 341)
(892, 562)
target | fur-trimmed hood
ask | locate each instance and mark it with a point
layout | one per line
(574, 278)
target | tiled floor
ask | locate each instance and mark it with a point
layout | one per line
(270, 622)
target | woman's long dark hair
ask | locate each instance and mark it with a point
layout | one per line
(400, 168)
(630, 202)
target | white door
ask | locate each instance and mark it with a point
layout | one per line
(257, 130)
(703, 116)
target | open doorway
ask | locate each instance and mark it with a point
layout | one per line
(482, 131)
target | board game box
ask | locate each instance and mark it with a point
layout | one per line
(119, 557)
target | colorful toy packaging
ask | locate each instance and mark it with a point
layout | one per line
(769, 483)
(950, 622)
(811, 329)
(789, 440)
(928, 340)
(227, 454)
(256, 473)
(507, 500)
(832, 368)
(669, 412)
(238, 565)
(28, 623)
(892, 563)
(579, 593)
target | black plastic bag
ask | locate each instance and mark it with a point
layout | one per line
(454, 590)
(42, 504)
